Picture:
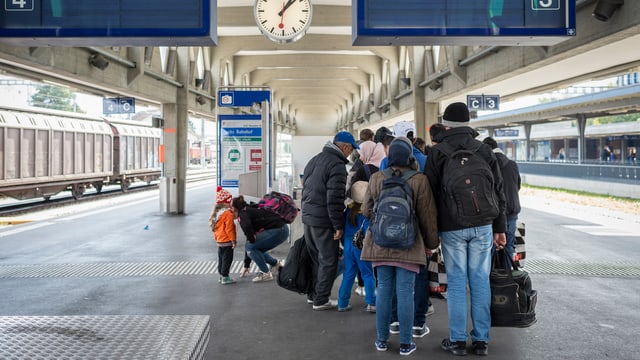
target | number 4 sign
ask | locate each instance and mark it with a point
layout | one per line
(18, 5)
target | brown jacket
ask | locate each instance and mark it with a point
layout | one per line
(425, 209)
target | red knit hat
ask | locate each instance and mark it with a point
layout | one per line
(223, 196)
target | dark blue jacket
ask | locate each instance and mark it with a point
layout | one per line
(323, 189)
(510, 183)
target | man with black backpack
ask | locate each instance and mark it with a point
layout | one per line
(467, 184)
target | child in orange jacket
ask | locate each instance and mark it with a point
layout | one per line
(222, 224)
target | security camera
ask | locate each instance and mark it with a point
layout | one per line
(605, 8)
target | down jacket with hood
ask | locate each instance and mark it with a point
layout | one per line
(324, 189)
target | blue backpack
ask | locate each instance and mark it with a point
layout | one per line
(394, 223)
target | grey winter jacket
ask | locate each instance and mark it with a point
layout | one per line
(324, 187)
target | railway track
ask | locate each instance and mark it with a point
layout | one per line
(13, 208)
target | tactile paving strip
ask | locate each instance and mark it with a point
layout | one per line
(117, 269)
(112, 337)
(619, 268)
(533, 266)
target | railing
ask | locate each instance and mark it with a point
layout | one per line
(628, 174)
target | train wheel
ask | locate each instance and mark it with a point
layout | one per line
(97, 186)
(77, 190)
(124, 185)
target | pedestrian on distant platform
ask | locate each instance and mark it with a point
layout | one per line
(223, 226)
(265, 230)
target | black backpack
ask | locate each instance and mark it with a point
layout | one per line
(468, 186)
(296, 274)
(394, 223)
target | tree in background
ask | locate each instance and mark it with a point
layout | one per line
(55, 97)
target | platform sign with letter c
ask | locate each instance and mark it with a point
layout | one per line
(483, 102)
(475, 102)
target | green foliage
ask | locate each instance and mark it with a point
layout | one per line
(56, 98)
(613, 119)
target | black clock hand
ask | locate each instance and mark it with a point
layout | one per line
(286, 6)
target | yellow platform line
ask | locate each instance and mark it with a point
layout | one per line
(10, 221)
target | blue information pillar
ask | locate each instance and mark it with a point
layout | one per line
(244, 140)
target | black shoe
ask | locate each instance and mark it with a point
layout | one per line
(458, 348)
(480, 348)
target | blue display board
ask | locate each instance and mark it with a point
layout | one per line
(462, 22)
(108, 23)
(233, 98)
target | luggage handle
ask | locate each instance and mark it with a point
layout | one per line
(501, 259)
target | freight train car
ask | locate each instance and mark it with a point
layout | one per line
(44, 152)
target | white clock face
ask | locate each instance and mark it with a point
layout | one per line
(283, 21)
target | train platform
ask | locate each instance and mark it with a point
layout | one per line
(118, 279)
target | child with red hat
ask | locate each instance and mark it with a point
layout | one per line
(224, 232)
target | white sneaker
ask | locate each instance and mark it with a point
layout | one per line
(326, 306)
(431, 310)
(262, 277)
(275, 268)
(360, 291)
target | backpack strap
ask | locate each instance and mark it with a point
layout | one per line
(367, 171)
(448, 149)
(406, 174)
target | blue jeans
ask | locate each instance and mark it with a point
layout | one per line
(467, 258)
(401, 281)
(266, 241)
(352, 264)
(511, 236)
(420, 298)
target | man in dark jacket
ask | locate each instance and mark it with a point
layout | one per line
(323, 195)
(511, 185)
(466, 248)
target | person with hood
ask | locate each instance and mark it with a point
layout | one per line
(323, 206)
(511, 184)
(396, 267)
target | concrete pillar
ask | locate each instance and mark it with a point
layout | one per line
(175, 133)
(582, 124)
(431, 112)
(527, 141)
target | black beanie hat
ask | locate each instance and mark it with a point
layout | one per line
(381, 133)
(456, 115)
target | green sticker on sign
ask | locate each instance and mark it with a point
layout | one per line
(233, 155)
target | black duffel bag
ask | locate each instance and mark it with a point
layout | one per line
(513, 301)
(296, 274)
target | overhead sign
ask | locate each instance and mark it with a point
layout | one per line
(232, 98)
(483, 102)
(462, 22)
(109, 23)
(126, 105)
(506, 132)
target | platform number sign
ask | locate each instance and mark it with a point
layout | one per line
(491, 102)
(118, 106)
(483, 102)
(18, 5)
(545, 4)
